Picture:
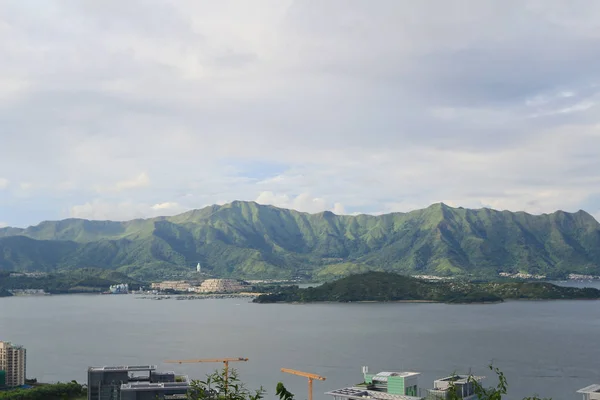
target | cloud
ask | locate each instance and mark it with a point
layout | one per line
(3, 224)
(373, 106)
(302, 202)
(122, 211)
(4, 183)
(140, 181)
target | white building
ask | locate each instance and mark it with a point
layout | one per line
(591, 392)
(198, 268)
(13, 362)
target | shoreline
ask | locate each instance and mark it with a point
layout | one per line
(424, 301)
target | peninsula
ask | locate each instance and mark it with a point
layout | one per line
(385, 286)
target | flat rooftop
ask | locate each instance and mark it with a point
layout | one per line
(357, 393)
(123, 368)
(384, 375)
(460, 378)
(590, 389)
(146, 386)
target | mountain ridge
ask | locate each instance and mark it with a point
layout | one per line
(247, 239)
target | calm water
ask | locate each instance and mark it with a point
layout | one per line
(545, 348)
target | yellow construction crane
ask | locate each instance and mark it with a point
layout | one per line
(308, 375)
(225, 361)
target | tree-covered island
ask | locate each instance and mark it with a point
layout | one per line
(385, 286)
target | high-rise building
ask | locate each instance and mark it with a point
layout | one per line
(13, 363)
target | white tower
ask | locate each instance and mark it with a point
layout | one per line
(198, 268)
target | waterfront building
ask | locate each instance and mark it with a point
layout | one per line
(591, 392)
(122, 288)
(137, 382)
(13, 361)
(178, 286)
(221, 286)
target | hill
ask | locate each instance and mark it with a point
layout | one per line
(245, 239)
(385, 286)
(82, 280)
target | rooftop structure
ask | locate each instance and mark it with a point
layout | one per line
(398, 383)
(358, 393)
(135, 382)
(463, 384)
(591, 392)
(404, 386)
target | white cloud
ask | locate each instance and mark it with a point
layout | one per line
(168, 206)
(376, 106)
(4, 183)
(302, 202)
(3, 224)
(140, 181)
(122, 211)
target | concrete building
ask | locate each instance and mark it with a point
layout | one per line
(404, 386)
(463, 384)
(221, 286)
(591, 392)
(137, 382)
(178, 286)
(13, 361)
(382, 386)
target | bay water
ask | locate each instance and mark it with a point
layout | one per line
(548, 348)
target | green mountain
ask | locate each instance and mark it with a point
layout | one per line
(385, 286)
(249, 240)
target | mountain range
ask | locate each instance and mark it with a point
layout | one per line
(248, 240)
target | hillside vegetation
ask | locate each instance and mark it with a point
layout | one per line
(84, 280)
(385, 286)
(248, 240)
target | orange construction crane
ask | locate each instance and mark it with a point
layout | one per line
(308, 375)
(225, 361)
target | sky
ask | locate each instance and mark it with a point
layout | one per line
(139, 108)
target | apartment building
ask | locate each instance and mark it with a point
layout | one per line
(13, 363)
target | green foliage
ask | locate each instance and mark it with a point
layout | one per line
(58, 391)
(385, 286)
(245, 239)
(490, 393)
(82, 280)
(283, 393)
(217, 387)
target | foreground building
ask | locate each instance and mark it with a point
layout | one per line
(137, 382)
(13, 361)
(404, 386)
(463, 385)
(591, 392)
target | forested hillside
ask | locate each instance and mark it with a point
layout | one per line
(245, 239)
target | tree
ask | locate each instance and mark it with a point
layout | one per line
(215, 388)
(283, 393)
(491, 393)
